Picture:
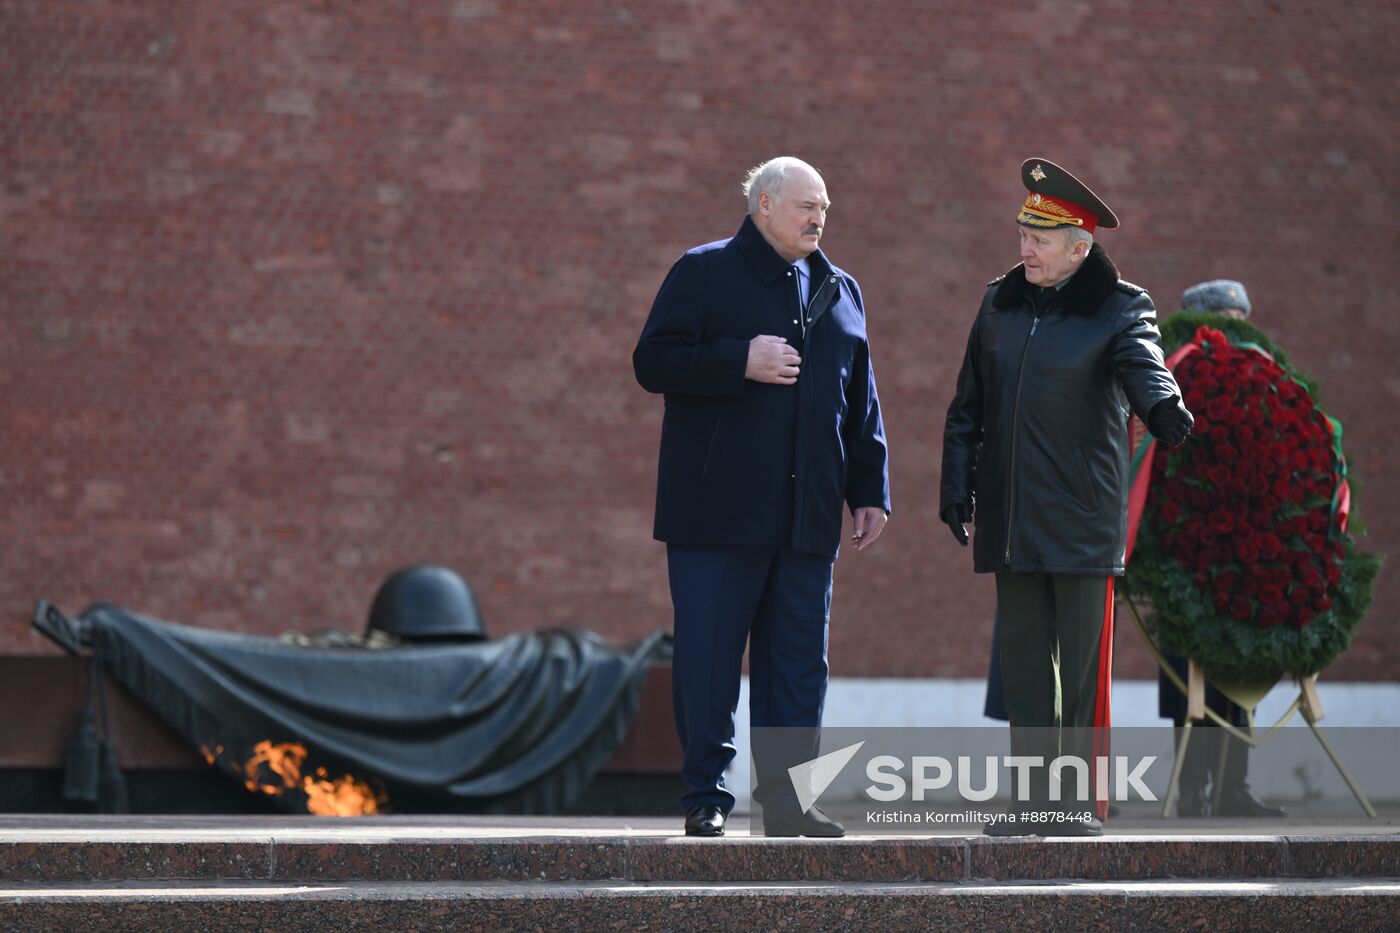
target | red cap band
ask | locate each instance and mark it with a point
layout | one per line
(1041, 210)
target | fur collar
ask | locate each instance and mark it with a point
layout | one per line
(1084, 293)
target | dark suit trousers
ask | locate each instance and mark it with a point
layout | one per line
(778, 601)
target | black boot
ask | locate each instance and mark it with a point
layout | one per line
(1236, 799)
(1193, 801)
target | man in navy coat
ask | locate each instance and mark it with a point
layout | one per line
(772, 425)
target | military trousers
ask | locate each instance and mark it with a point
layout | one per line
(1051, 628)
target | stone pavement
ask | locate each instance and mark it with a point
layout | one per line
(478, 872)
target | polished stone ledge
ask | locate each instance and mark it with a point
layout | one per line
(1264, 905)
(70, 849)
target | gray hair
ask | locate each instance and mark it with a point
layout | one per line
(769, 177)
(1079, 234)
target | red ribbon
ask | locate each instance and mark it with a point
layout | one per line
(1102, 696)
(1137, 493)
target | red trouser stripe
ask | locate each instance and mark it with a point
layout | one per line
(1104, 690)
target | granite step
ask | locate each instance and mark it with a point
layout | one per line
(72, 850)
(1264, 904)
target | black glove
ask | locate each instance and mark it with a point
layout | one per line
(1170, 422)
(955, 516)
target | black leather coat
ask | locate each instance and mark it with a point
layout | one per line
(1037, 434)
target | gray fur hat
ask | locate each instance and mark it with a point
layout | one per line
(1217, 295)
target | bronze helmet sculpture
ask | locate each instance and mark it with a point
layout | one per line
(426, 603)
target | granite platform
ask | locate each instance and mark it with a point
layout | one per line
(303, 873)
(1274, 906)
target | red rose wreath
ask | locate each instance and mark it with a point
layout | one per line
(1242, 542)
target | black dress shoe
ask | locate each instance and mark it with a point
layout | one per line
(704, 820)
(1240, 801)
(813, 823)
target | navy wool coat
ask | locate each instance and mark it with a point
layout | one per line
(746, 462)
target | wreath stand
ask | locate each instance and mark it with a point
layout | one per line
(1248, 694)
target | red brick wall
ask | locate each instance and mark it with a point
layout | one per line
(295, 293)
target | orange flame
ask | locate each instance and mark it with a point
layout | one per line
(343, 796)
(284, 760)
(275, 768)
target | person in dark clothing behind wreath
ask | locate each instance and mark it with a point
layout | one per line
(1229, 298)
(772, 425)
(1035, 454)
